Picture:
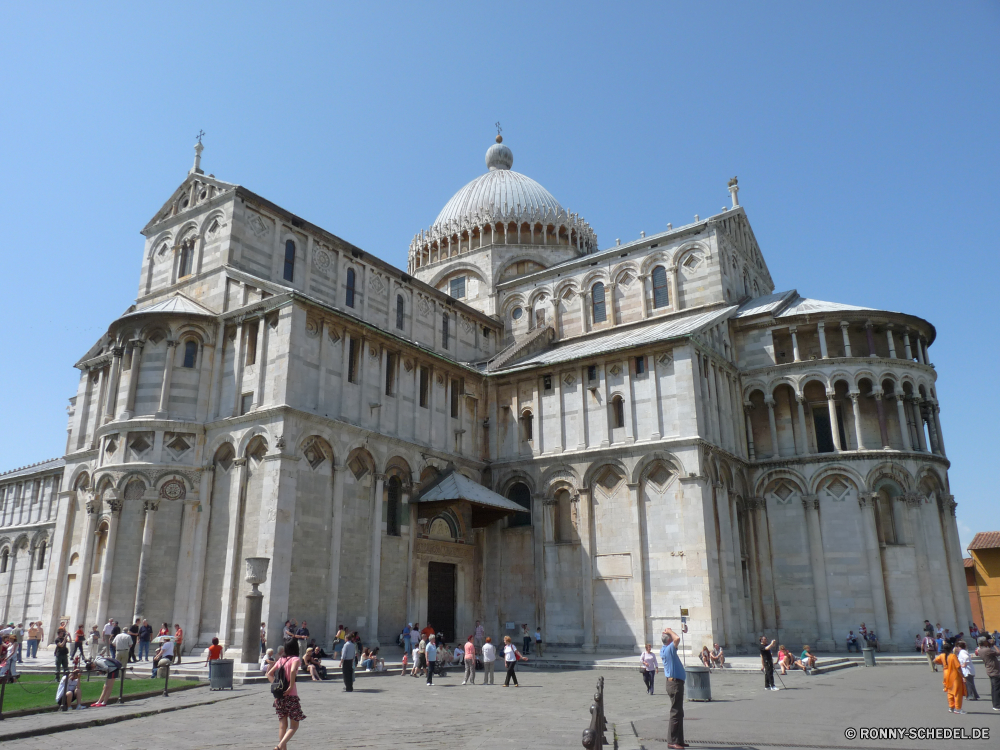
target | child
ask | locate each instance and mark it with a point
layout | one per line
(402, 672)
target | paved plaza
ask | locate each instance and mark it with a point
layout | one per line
(549, 710)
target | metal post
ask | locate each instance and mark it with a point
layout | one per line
(121, 686)
(3, 688)
(166, 682)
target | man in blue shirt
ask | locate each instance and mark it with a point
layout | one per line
(674, 672)
(431, 654)
(347, 654)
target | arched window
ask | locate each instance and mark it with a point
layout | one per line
(100, 548)
(746, 283)
(618, 411)
(527, 426)
(521, 495)
(289, 260)
(350, 288)
(41, 556)
(400, 309)
(598, 303)
(4, 559)
(393, 511)
(190, 353)
(565, 529)
(661, 290)
(445, 318)
(187, 259)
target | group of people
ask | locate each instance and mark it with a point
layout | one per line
(951, 652)
(714, 658)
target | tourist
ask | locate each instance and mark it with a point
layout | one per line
(784, 660)
(267, 660)
(62, 651)
(302, 635)
(19, 640)
(414, 659)
(863, 632)
(430, 654)
(79, 639)
(705, 657)
(347, 655)
(428, 631)
(109, 626)
(807, 659)
(312, 666)
(164, 630)
(458, 655)
(673, 670)
(470, 662)
(288, 631)
(163, 657)
(718, 656)
(767, 662)
(929, 647)
(379, 661)
(479, 637)
(917, 640)
(489, 653)
(968, 671)
(32, 641)
(406, 638)
(990, 655)
(178, 643)
(263, 638)
(338, 641)
(954, 683)
(94, 643)
(511, 656)
(538, 641)
(525, 639)
(133, 632)
(366, 660)
(71, 692)
(852, 642)
(145, 635)
(406, 662)
(287, 705)
(649, 668)
(420, 666)
(121, 644)
(112, 667)
(214, 651)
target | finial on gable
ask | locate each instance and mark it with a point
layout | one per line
(734, 188)
(198, 148)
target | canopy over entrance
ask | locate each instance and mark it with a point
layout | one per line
(487, 506)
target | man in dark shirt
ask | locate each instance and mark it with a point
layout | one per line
(62, 651)
(990, 655)
(303, 635)
(133, 631)
(145, 636)
(767, 661)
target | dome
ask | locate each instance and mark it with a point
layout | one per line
(499, 192)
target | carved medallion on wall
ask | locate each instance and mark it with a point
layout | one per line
(665, 359)
(373, 353)
(376, 284)
(322, 260)
(333, 335)
(312, 327)
(569, 379)
(469, 324)
(424, 307)
(408, 365)
(173, 489)
(615, 370)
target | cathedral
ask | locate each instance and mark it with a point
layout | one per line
(521, 427)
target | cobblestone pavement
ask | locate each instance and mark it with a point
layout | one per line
(549, 710)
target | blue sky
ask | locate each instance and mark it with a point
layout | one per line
(864, 136)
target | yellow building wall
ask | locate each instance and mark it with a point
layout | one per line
(988, 582)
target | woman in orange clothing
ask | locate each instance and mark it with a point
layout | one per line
(954, 683)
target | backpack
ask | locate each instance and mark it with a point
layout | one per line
(281, 683)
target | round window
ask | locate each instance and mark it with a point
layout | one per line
(518, 312)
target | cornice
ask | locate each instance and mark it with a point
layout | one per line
(838, 363)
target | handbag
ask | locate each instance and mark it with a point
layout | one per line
(281, 683)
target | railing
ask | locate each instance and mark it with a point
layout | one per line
(593, 735)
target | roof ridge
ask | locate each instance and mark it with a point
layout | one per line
(29, 466)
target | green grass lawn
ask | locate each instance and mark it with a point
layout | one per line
(39, 691)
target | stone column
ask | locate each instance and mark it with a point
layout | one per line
(866, 503)
(584, 318)
(32, 553)
(932, 429)
(215, 408)
(882, 425)
(904, 427)
(892, 343)
(821, 332)
(654, 392)
(831, 401)
(86, 562)
(795, 343)
(629, 400)
(581, 423)
(376, 560)
(184, 589)
(411, 543)
(672, 277)
(857, 420)
(750, 446)
(133, 379)
(870, 336)
(645, 300)
(956, 571)
(906, 344)
(918, 423)
(230, 583)
(800, 400)
(112, 392)
(336, 527)
(262, 341)
(639, 568)
(609, 302)
(844, 325)
(817, 555)
(202, 515)
(587, 569)
(168, 373)
(149, 507)
(324, 328)
(936, 415)
(11, 569)
(104, 597)
(775, 450)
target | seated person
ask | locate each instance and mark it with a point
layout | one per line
(717, 655)
(267, 661)
(318, 651)
(71, 691)
(784, 659)
(379, 661)
(706, 657)
(852, 642)
(367, 663)
(458, 655)
(312, 665)
(807, 659)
